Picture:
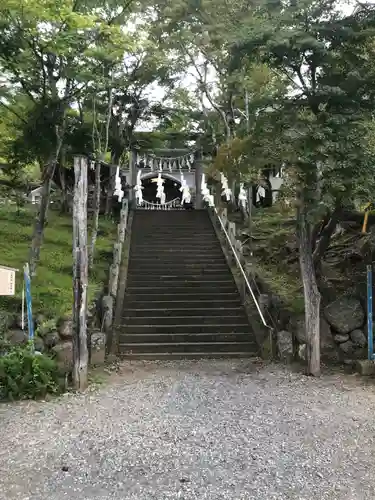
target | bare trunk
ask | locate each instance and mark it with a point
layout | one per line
(96, 211)
(80, 275)
(311, 293)
(41, 219)
(325, 238)
(64, 192)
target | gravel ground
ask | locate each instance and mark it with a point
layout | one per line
(195, 431)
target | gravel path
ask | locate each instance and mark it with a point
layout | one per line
(195, 431)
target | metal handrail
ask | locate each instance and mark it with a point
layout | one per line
(242, 270)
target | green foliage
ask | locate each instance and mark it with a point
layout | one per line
(25, 375)
(52, 286)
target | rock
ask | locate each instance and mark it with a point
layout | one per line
(39, 320)
(38, 344)
(302, 352)
(325, 332)
(365, 367)
(341, 338)
(17, 323)
(285, 345)
(107, 312)
(64, 355)
(65, 328)
(345, 314)
(97, 348)
(51, 339)
(358, 338)
(16, 337)
(347, 347)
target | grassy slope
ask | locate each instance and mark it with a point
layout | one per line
(275, 255)
(52, 287)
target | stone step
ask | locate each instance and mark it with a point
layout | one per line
(215, 329)
(180, 296)
(167, 282)
(184, 312)
(183, 347)
(175, 248)
(162, 320)
(175, 266)
(174, 240)
(150, 356)
(181, 289)
(176, 255)
(184, 274)
(188, 260)
(176, 303)
(154, 338)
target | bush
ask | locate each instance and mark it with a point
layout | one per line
(25, 375)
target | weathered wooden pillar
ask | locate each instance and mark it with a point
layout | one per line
(132, 175)
(198, 181)
(80, 275)
(121, 229)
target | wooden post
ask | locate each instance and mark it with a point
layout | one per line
(80, 275)
(198, 181)
(132, 174)
(115, 269)
(250, 219)
(123, 221)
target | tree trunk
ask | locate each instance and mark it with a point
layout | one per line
(41, 218)
(325, 238)
(80, 275)
(64, 208)
(311, 292)
(110, 190)
(96, 211)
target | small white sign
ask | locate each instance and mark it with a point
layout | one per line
(7, 280)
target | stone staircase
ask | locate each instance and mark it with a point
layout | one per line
(181, 300)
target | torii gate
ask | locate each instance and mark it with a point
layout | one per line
(168, 162)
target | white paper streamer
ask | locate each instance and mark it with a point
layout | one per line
(226, 191)
(242, 197)
(186, 196)
(118, 188)
(138, 189)
(160, 189)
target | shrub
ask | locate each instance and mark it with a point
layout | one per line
(25, 375)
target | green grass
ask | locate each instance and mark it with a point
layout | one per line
(274, 229)
(51, 288)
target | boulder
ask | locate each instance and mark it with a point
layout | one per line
(285, 345)
(341, 338)
(345, 314)
(97, 348)
(347, 347)
(65, 328)
(358, 338)
(40, 319)
(38, 344)
(365, 367)
(326, 340)
(16, 337)
(51, 339)
(64, 355)
(17, 323)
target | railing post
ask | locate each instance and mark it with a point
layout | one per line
(370, 336)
